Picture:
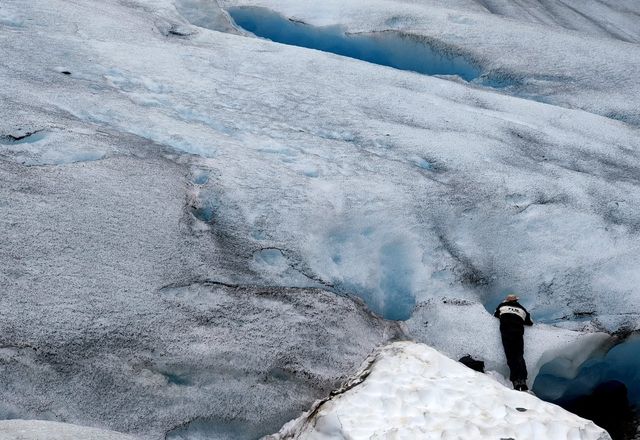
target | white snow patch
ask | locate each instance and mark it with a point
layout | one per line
(412, 391)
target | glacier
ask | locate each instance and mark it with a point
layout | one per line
(196, 222)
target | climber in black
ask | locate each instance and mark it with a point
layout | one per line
(513, 318)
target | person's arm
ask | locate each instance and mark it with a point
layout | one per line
(527, 320)
(497, 312)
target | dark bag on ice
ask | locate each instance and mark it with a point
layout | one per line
(472, 363)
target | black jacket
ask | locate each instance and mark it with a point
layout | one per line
(512, 316)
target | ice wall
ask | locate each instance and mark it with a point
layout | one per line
(605, 387)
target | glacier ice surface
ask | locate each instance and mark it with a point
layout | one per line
(198, 199)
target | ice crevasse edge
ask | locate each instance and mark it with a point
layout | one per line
(386, 48)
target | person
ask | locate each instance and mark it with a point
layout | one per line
(513, 317)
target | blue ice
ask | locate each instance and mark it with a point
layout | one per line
(9, 19)
(271, 257)
(423, 163)
(204, 212)
(177, 379)
(393, 296)
(80, 156)
(30, 139)
(311, 173)
(621, 363)
(201, 177)
(396, 273)
(385, 48)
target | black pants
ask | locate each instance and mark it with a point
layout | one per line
(513, 343)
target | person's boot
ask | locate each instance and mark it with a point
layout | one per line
(520, 385)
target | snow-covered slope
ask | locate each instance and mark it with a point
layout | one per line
(410, 391)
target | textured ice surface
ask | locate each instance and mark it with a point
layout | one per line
(614, 19)
(112, 316)
(522, 55)
(322, 164)
(197, 359)
(46, 430)
(411, 391)
(194, 210)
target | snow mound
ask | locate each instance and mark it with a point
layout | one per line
(45, 430)
(409, 390)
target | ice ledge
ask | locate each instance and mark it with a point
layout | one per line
(408, 390)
